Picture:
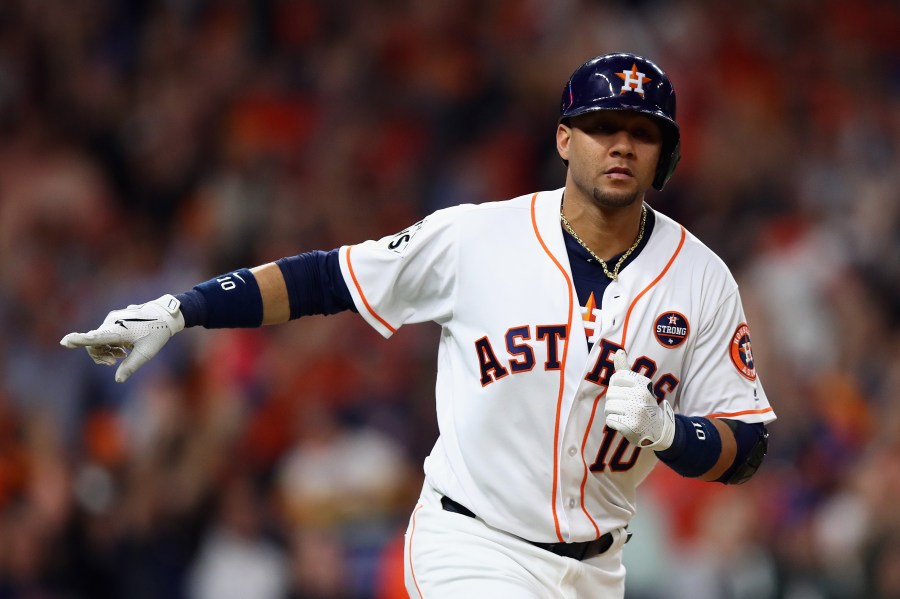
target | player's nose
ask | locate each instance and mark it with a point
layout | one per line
(621, 144)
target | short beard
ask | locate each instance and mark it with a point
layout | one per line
(605, 199)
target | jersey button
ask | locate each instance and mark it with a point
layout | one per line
(571, 503)
(573, 450)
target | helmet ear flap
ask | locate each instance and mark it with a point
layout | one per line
(668, 160)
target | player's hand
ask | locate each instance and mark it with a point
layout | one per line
(143, 329)
(632, 410)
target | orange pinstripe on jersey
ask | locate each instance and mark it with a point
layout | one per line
(562, 370)
(583, 461)
(651, 285)
(742, 413)
(363, 295)
(412, 532)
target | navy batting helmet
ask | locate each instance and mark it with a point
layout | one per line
(627, 82)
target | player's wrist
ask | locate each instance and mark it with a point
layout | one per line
(193, 308)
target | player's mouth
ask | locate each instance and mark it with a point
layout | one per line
(619, 172)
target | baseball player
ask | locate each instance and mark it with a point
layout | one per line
(585, 338)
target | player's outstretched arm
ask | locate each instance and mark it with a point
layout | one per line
(135, 334)
(243, 298)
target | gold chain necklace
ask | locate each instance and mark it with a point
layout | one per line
(615, 272)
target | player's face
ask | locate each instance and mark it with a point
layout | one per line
(612, 155)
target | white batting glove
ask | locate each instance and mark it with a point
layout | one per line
(632, 410)
(142, 328)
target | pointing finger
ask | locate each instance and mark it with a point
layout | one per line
(95, 337)
(71, 340)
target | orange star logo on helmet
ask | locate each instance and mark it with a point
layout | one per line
(634, 80)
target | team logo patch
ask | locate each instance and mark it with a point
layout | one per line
(741, 352)
(671, 329)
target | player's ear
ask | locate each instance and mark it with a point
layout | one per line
(563, 136)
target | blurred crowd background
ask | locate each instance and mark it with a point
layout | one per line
(149, 145)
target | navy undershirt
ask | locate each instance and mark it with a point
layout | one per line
(588, 275)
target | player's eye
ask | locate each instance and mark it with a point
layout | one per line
(600, 128)
(646, 134)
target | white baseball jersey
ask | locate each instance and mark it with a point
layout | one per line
(519, 395)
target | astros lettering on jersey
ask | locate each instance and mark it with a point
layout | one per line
(517, 383)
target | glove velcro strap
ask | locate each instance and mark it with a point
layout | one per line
(172, 308)
(667, 436)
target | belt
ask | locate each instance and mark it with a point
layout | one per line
(579, 551)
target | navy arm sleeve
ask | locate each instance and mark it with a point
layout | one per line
(314, 286)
